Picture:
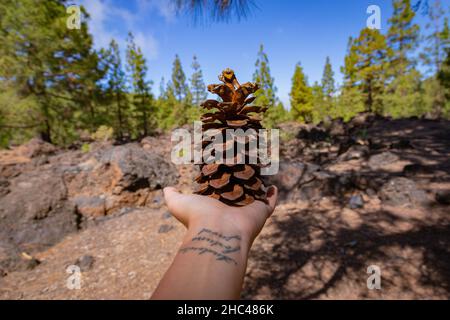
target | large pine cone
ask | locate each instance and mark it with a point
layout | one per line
(237, 184)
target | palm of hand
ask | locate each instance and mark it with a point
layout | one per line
(191, 209)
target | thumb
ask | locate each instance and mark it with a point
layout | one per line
(177, 204)
(272, 197)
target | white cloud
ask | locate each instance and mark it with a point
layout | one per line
(148, 45)
(98, 12)
(103, 16)
(165, 8)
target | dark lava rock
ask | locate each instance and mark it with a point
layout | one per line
(12, 259)
(289, 176)
(402, 144)
(354, 152)
(416, 169)
(35, 213)
(381, 160)
(402, 192)
(313, 134)
(85, 262)
(165, 228)
(166, 215)
(36, 147)
(443, 196)
(90, 206)
(138, 168)
(355, 202)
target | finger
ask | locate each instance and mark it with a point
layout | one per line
(272, 197)
(177, 204)
(262, 207)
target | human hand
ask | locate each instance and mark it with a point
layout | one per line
(197, 212)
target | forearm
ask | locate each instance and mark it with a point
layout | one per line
(210, 264)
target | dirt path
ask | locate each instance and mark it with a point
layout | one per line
(304, 252)
(130, 254)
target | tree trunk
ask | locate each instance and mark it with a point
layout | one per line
(119, 116)
(45, 134)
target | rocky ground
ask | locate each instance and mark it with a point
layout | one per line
(373, 191)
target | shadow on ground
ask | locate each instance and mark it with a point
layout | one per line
(315, 254)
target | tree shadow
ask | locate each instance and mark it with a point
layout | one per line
(315, 254)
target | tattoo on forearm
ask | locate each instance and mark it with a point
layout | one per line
(219, 235)
(219, 256)
(224, 244)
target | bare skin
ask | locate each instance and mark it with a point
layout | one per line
(212, 259)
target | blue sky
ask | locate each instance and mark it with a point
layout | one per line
(291, 31)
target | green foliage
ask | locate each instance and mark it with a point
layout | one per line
(51, 68)
(401, 38)
(198, 87)
(319, 105)
(302, 104)
(103, 133)
(369, 52)
(403, 96)
(328, 86)
(434, 101)
(144, 111)
(178, 87)
(266, 95)
(444, 80)
(437, 44)
(324, 102)
(437, 38)
(85, 148)
(116, 87)
(175, 106)
(53, 84)
(350, 103)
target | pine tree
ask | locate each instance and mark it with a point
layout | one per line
(116, 88)
(179, 98)
(368, 53)
(164, 110)
(301, 97)
(350, 101)
(162, 88)
(142, 97)
(349, 67)
(49, 71)
(198, 88)
(266, 95)
(437, 39)
(433, 55)
(402, 37)
(320, 111)
(178, 85)
(402, 96)
(328, 88)
(444, 80)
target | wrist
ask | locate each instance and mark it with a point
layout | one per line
(224, 231)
